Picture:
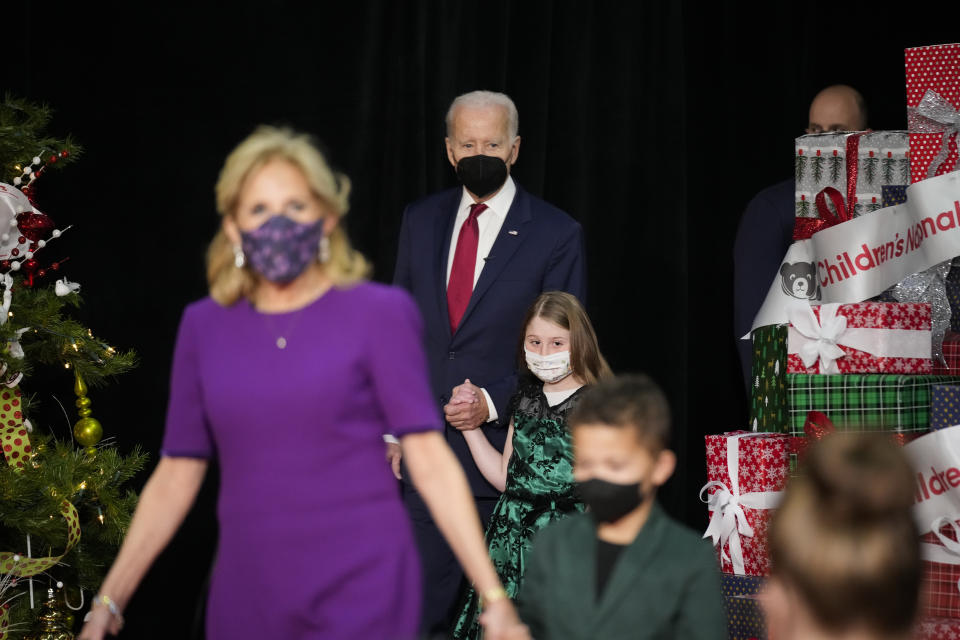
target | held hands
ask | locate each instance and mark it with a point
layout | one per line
(467, 408)
(500, 622)
(393, 457)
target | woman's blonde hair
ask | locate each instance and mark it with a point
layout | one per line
(345, 266)
(564, 310)
(844, 536)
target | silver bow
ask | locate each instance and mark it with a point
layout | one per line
(935, 114)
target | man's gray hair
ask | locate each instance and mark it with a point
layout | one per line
(479, 99)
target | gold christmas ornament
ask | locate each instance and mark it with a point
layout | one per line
(87, 431)
(52, 621)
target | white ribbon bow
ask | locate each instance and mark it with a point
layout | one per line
(728, 521)
(822, 337)
(813, 340)
(935, 114)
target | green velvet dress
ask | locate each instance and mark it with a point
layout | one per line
(539, 490)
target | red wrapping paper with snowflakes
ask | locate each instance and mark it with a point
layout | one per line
(933, 69)
(746, 474)
(863, 337)
(932, 628)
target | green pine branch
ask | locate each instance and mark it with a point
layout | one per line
(56, 340)
(30, 502)
(23, 137)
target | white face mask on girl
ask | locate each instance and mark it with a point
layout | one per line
(552, 368)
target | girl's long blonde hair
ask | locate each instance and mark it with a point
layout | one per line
(564, 310)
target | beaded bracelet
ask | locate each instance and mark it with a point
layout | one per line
(111, 606)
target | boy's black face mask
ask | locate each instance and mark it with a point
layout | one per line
(609, 501)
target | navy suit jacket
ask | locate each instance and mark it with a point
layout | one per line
(539, 248)
(763, 237)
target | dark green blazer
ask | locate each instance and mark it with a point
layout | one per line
(664, 585)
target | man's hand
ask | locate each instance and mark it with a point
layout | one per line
(467, 408)
(394, 454)
(500, 622)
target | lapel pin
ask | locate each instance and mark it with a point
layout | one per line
(512, 232)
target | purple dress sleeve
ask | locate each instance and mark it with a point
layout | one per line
(398, 366)
(187, 432)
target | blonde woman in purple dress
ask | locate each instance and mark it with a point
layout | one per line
(289, 374)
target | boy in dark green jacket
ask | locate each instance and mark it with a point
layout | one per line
(625, 569)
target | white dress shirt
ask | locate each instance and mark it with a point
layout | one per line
(488, 223)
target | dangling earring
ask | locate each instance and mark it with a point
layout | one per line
(238, 258)
(324, 253)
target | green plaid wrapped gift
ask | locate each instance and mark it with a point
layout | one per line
(863, 402)
(768, 389)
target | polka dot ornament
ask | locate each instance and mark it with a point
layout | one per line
(935, 67)
(17, 564)
(17, 451)
(13, 435)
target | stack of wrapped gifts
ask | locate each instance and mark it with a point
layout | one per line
(885, 361)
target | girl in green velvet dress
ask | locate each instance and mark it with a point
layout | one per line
(558, 357)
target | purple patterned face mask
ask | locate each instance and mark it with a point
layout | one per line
(280, 249)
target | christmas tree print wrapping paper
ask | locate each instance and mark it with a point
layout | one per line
(933, 97)
(768, 386)
(863, 401)
(865, 337)
(748, 470)
(744, 616)
(821, 160)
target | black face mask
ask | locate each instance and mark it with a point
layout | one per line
(609, 501)
(482, 175)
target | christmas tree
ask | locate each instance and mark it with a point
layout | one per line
(64, 507)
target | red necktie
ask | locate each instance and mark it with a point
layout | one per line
(460, 285)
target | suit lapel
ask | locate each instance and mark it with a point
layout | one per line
(444, 230)
(503, 249)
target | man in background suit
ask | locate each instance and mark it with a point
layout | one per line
(475, 257)
(766, 228)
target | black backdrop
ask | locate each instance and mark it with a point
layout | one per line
(652, 123)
